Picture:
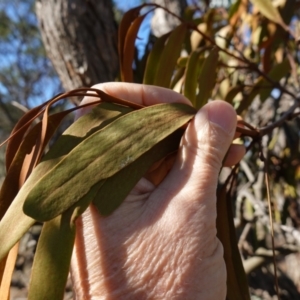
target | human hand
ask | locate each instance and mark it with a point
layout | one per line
(161, 242)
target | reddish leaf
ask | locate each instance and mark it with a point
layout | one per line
(21, 165)
(126, 21)
(129, 49)
(8, 272)
(19, 131)
(237, 286)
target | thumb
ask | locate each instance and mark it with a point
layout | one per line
(203, 148)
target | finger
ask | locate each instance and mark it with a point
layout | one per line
(204, 146)
(139, 93)
(237, 134)
(160, 169)
(235, 154)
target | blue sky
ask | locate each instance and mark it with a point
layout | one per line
(126, 5)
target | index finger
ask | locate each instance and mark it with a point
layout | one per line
(139, 93)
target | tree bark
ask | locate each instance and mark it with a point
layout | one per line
(80, 37)
(162, 22)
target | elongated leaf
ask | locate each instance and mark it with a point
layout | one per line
(8, 272)
(53, 255)
(21, 167)
(13, 226)
(116, 188)
(52, 259)
(25, 152)
(85, 126)
(122, 142)
(182, 61)
(237, 286)
(14, 179)
(125, 24)
(191, 76)
(15, 223)
(97, 118)
(234, 8)
(21, 127)
(2, 267)
(177, 77)
(196, 38)
(269, 11)
(169, 56)
(154, 59)
(233, 91)
(207, 78)
(129, 49)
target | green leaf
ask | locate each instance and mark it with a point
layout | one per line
(169, 56)
(102, 155)
(99, 117)
(267, 9)
(207, 78)
(191, 76)
(52, 259)
(15, 223)
(153, 59)
(116, 188)
(233, 91)
(177, 77)
(234, 8)
(182, 61)
(53, 255)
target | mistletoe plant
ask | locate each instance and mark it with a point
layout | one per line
(203, 58)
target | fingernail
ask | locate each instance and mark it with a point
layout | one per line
(221, 114)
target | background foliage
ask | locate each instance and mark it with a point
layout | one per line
(25, 70)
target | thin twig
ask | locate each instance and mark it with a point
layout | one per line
(272, 229)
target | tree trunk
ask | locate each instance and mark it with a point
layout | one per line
(162, 22)
(80, 37)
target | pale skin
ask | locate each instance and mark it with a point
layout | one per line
(161, 242)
